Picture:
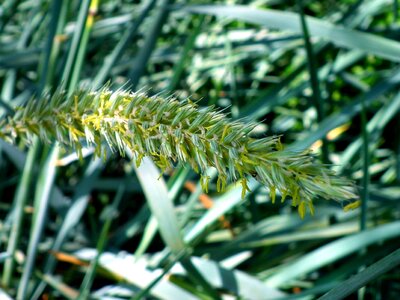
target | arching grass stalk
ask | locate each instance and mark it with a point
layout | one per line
(173, 132)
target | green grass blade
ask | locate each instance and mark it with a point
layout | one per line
(47, 77)
(223, 204)
(130, 228)
(81, 51)
(150, 231)
(139, 65)
(275, 19)
(59, 286)
(124, 42)
(357, 262)
(194, 274)
(19, 200)
(332, 252)
(313, 71)
(75, 43)
(174, 185)
(42, 196)
(160, 205)
(19, 58)
(184, 58)
(137, 273)
(349, 111)
(109, 213)
(333, 231)
(144, 292)
(236, 282)
(36, 17)
(359, 280)
(280, 93)
(72, 217)
(375, 127)
(365, 167)
(46, 56)
(8, 9)
(194, 198)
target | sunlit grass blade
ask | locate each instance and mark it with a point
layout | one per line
(4, 295)
(235, 281)
(163, 210)
(160, 205)
(333, 231)
(144, 292)
(136, 272)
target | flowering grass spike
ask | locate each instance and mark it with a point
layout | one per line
(171, 131)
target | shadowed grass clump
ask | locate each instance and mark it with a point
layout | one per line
(173, 132)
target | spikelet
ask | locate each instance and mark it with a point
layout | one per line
(172, 131)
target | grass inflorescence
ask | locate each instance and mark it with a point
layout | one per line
(170, 132)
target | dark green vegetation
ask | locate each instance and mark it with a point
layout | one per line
(321, 75)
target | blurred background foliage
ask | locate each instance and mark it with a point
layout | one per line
(322, 74)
